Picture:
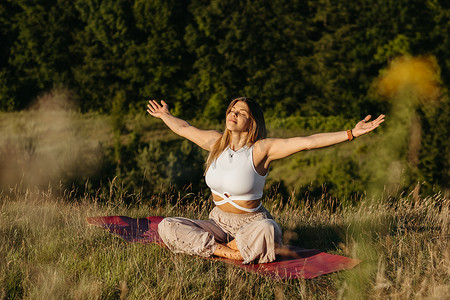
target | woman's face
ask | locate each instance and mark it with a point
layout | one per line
(238, 119)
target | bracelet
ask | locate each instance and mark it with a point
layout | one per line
(350, 135)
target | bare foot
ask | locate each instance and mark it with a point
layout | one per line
(232, 245)
(224, 251)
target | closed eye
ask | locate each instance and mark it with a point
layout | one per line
(240, 114)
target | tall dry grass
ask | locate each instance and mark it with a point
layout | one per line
(49, 251)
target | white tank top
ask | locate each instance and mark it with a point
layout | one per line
(233, 177)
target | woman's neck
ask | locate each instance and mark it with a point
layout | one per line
(238, 140)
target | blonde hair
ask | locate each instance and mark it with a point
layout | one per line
(256, 129)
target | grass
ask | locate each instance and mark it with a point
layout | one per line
(50, 252)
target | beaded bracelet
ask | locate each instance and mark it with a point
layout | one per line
(350, 135)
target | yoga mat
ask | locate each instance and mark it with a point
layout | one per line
(292, 262)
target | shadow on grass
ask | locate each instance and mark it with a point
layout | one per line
(324, 238)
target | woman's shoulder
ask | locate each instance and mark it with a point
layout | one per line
(263, 142)
(261, 145)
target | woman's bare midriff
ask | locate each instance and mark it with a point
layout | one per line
(227, 207)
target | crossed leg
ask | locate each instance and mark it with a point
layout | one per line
(257, 240)
(228, 252)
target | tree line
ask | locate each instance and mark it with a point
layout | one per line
(296, 57)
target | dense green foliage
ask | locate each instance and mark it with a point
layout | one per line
(312, 57)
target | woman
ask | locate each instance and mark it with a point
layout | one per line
(239, 227)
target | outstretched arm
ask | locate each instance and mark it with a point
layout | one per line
(273, 149)
(203, 138)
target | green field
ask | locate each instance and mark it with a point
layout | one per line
(50, 252)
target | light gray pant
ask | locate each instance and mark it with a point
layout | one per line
(256, 234)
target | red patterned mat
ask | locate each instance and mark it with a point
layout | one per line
(292, 262)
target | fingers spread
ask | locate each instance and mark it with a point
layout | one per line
(156, 104)
(153, 105)
(380, 118)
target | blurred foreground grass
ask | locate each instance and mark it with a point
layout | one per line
(50, 252)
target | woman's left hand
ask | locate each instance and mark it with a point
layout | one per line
(364, 126)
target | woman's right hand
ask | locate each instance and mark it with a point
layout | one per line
(157, 110)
